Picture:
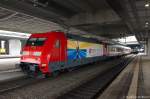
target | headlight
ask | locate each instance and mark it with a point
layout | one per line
(43, 65)
(37, 53)
(25, 53)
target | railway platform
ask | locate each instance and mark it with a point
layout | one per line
(9, 67)
(9, 75)
(132, 82)
(9, 56)
(9, 62)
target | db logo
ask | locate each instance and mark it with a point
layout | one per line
(33, 47)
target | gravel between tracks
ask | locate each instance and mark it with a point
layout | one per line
(54, 87)
(119, 88)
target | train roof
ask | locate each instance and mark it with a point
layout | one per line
(86, 39)
(121, 46)
(80, 38)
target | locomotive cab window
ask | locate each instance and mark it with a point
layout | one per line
(57, 44)
(36, 41)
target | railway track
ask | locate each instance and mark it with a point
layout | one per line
(18, 83)
(94, 87)
(26, 81)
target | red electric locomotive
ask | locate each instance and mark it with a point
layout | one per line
(47, 53)
(41, 49)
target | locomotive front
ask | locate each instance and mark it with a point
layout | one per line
(33, 56)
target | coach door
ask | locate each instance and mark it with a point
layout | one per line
(60, 49)
(105, 50)
(57, 50)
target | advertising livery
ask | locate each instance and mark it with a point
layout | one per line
(80, 49)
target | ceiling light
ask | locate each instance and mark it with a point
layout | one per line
(147, 5)
(147, 23)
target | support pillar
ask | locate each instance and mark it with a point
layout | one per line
(148, 47)
(7, 46)
(145, 49)
(14, 47)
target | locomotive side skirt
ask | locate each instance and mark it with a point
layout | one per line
(74, 63)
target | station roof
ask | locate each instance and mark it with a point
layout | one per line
(107, 18)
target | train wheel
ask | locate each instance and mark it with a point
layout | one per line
(47, 75)
(71, 69)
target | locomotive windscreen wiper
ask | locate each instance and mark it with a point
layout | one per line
(36, 41)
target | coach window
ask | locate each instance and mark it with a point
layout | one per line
(57, 44)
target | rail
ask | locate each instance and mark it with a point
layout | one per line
(94, 87)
